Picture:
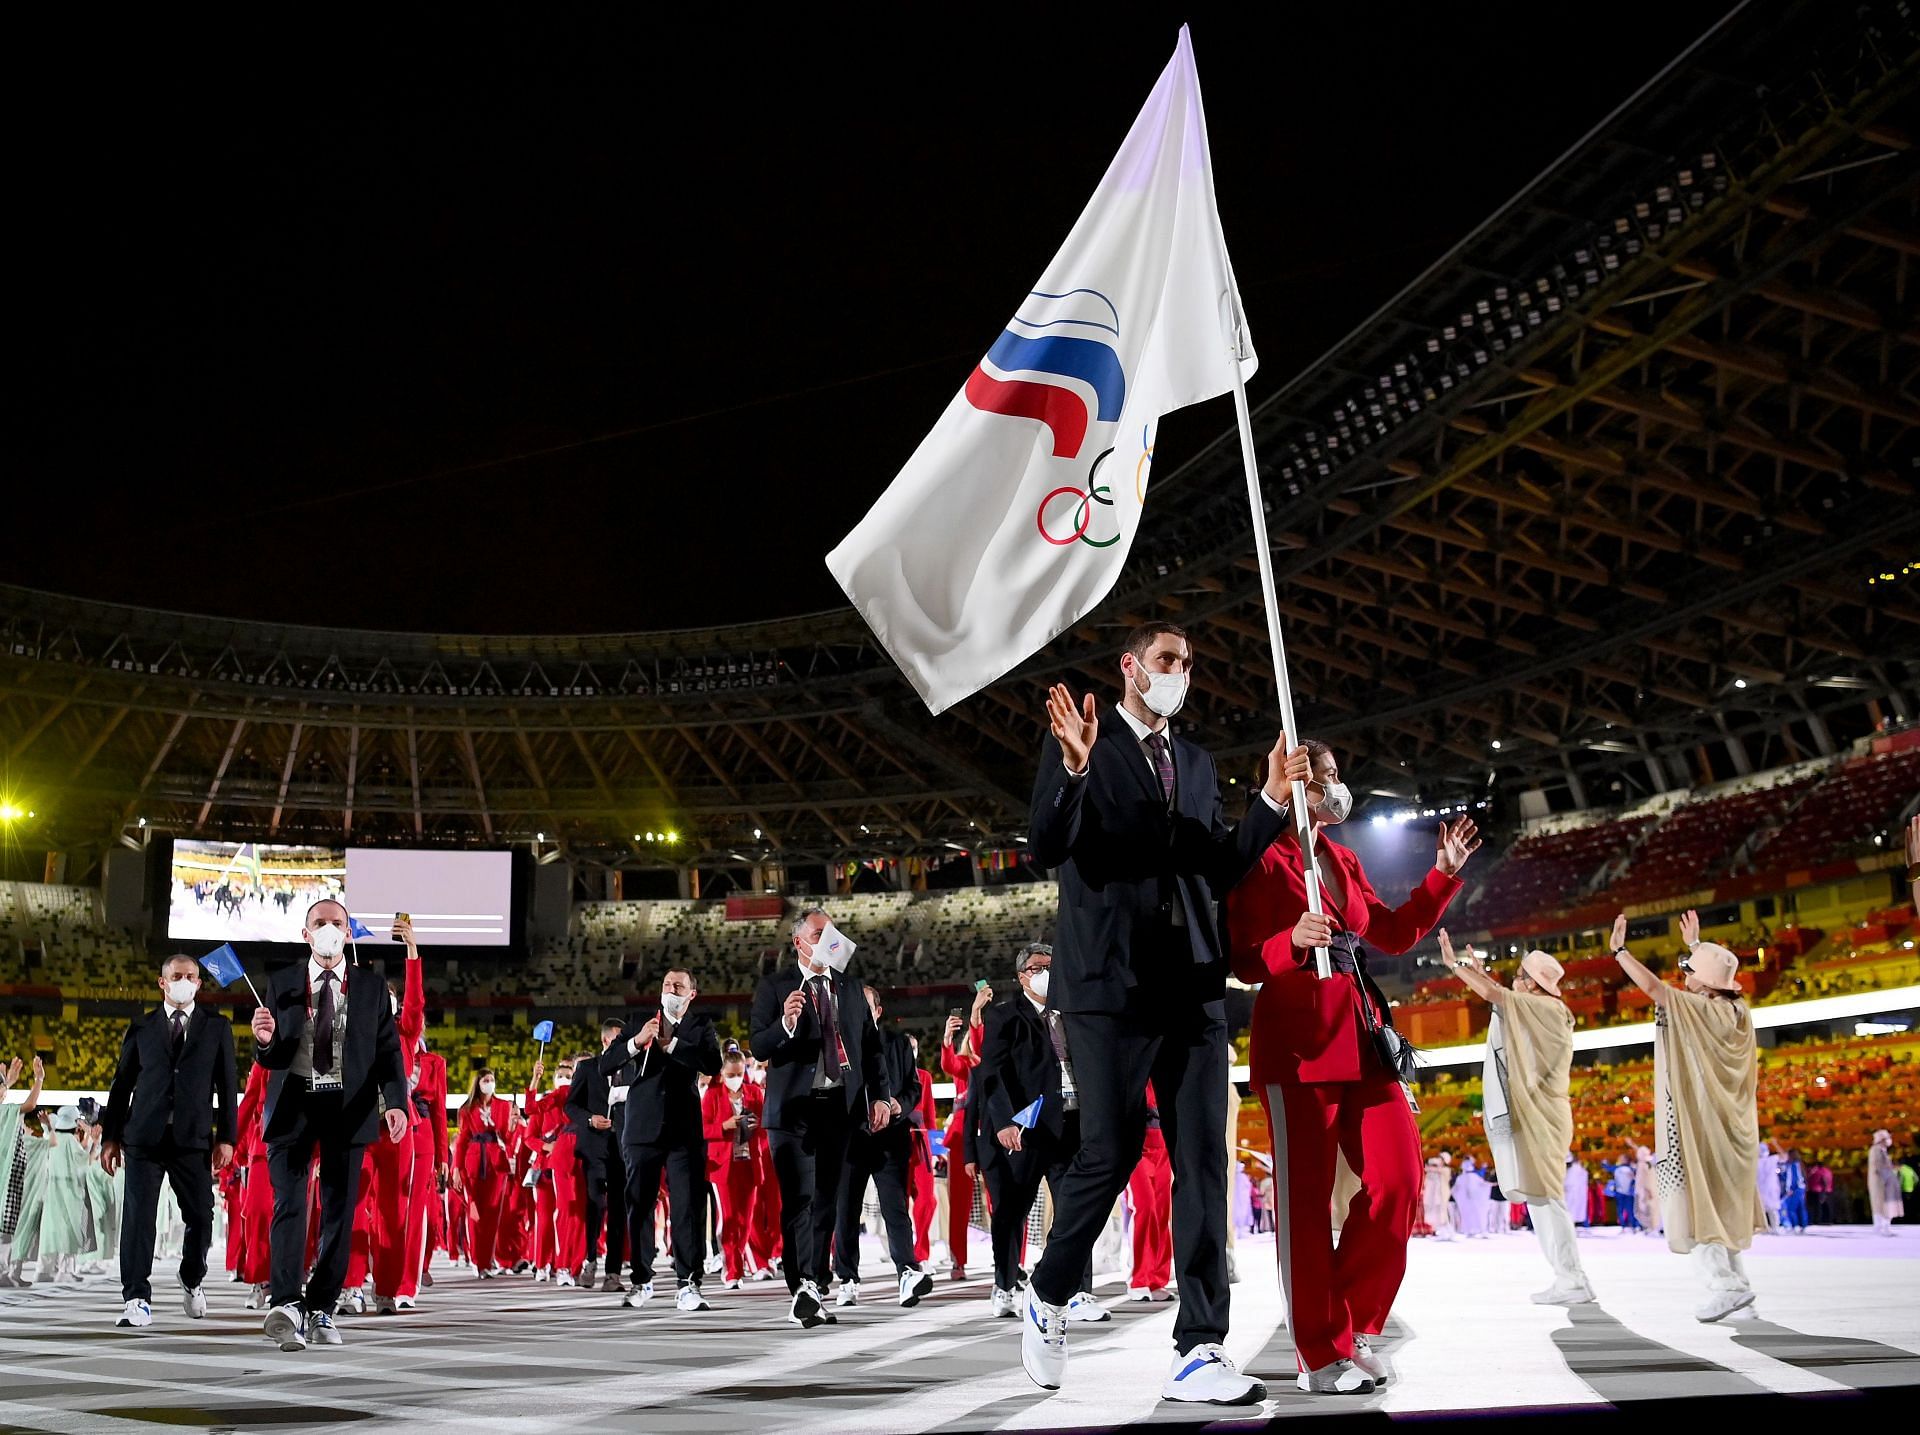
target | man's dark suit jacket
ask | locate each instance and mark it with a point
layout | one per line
(371, 1067)
(663, 1091)
(1124, 858)
(791, 1060)
(154, 1095)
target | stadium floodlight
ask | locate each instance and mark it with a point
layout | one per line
(539, 837)
(1495, 744)
(1739, 682)
(11, 812)
(756, 834)
(142, 822)
(672, 837)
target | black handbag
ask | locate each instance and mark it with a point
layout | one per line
(1396, 1053)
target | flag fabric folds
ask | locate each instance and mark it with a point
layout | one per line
(543, 1032)
(1028, 1116)
(223, 965)
(1015, 515)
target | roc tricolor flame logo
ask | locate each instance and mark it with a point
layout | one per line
(1056, 363)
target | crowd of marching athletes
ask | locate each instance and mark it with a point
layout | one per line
(1102, 1070)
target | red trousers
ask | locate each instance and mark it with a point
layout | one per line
(365, 1218)
(422, 1195)
(959, 1209)
(256, 1215)
(393, 1179)
(486, 1181)
(737, 1190)
(764, 1242)
(1334, 1294)
(570, 1205)
(514, 1244)
(925, 1203)
(1151, 1189)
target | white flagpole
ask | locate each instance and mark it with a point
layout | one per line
(1302, 826)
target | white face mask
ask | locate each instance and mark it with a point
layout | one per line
(565, 1078)
(486, 1088)
(180, 991)
(1037, 983)
(733, 1082)
(1165, 692)
(675, 1007)
(1336, 804)
(329, 941)
(759, 1076)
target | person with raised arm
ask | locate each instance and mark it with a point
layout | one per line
(1705, 1081)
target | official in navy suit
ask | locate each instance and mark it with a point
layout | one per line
(170, 1115)
(1131, 817)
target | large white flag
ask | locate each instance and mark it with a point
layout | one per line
(1015, 515)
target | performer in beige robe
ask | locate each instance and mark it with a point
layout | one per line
(1436, 1195)
(1646, 1200)
(1883, 1183)
(1526, 1108)
(1705, 1077)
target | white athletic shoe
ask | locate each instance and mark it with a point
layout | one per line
(135, 1313)
(1557, 1294)
(320, 1328)
(848, 1294)
(690, 1298)
(565, 1278)
(286, 1327)
(588, 1271)
(1343, 1377)
(763, 1274)
(806, 1310)
(1043, 1342)
(1205, 1373)
(540, 1276)
(1086, 1307)
(194, 1303)
(1139, 1293)
(353, 1302)
(404, 1302)
(385, 1305)
(733, 1284)
(713, 1263)
(1372, 1359)
(637, 1296)
(913, 1285)
(1002, 1304)
(1722, 1304)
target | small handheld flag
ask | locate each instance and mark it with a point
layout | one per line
(543, 1032)
(357, 928)
(1028, 1117)
(223, 964)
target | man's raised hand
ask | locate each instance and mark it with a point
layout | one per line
(1074, 725)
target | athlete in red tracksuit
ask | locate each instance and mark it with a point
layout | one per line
(513, 1246)
(426, 1144)
(731, 1113)
(481, 1168)
(958, 1065)
(925, 1197)
(256, 1201)
(1325, 1087)
(1150, 1188)
(764, 1240)
(546, 1117)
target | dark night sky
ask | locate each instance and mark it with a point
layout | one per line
(302, 308)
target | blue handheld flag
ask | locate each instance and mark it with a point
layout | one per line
(224, 965)
(543, 1032)
(1028, 1117)
(357, 928)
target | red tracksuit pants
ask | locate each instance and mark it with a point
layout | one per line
(393, 1180)
(570, 1203)
(1334, 1294)
(421, 1196)
(764, 1241)
(925, 1204)
(737, 1192)
(256, 1213)
(365, 1218)
(1151, 1190)
(486, 1180)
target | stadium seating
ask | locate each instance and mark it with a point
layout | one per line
(1693, 845)
(1860, 797)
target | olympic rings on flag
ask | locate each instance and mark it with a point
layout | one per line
(1099, 493)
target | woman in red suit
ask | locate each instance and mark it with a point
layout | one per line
(480, 1168)
(1326, 1090)
(730, 1113)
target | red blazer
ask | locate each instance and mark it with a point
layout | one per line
(470, 1128)
(1304, 1029)
(248, 1143)
(716, 1107)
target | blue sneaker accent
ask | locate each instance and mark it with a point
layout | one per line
(1191, 1366)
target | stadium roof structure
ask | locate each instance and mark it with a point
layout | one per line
(1629, 471)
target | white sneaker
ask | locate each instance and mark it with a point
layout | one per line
(1001, 1303)
(1372, 1359)
(385, 1305)
(1043, 1342)
(565, 1278)
(763, 1274)
(1343, 1377)
(135, 1313)
(540, 1276)
(1722, 1304)
(353, 1302)
(1205, 1373)
(194, 1302)
(713, 1263)
(588, 1271)
(1564, 1295)
(732, 1284)
(320, 1328)
(806, 1310)
(848, 1294)
(404, 1302)
(1086, 1307)
(637, 1296)
(914, 1285)
(286, 1327)
(1139, 1293)
(690, 1298)
(258, 1298)
(1164, 1293)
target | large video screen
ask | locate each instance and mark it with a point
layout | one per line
(456, 899)
(259, 892)
(248, 891)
